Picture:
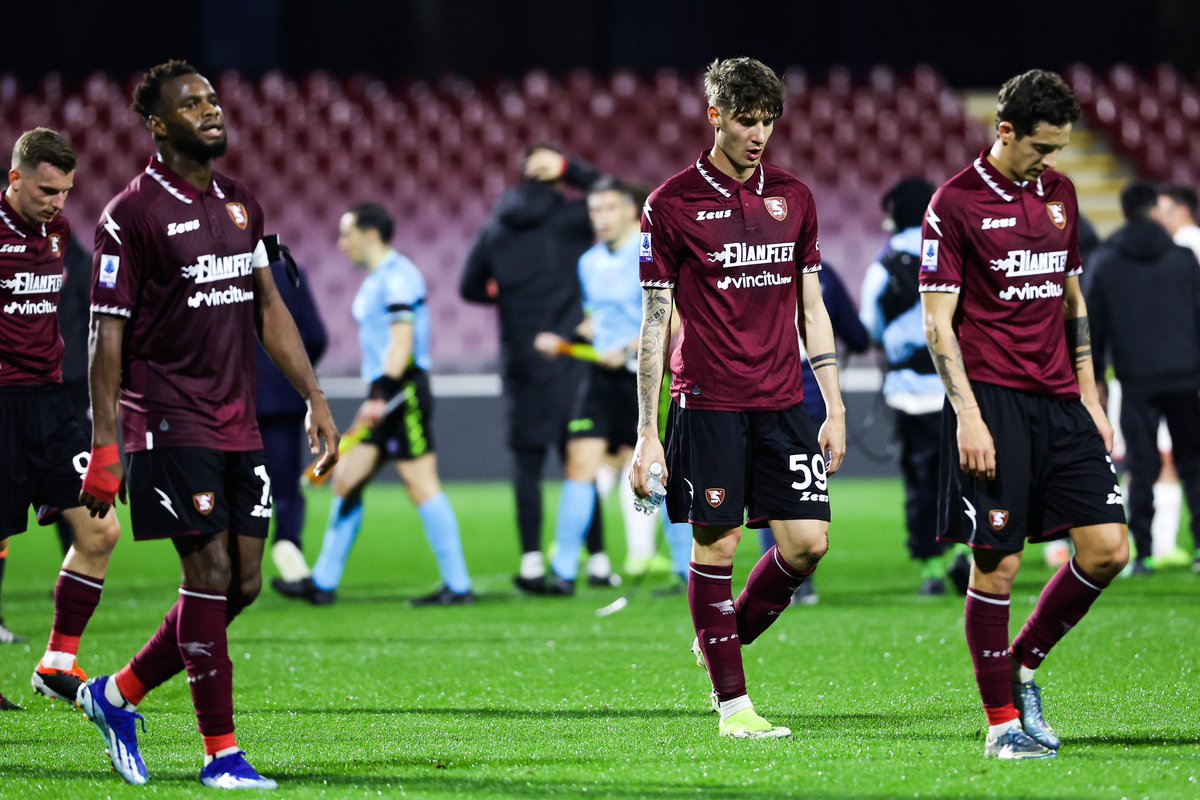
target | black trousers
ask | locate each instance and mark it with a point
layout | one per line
(527, 486)
(1141, 412)
(920, 437)
(284, 445)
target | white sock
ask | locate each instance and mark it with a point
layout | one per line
(1164, 529)
(599, 566)
(995, 731)
(228, 751)
(55, 660)
(730, 707)
(1026, 674)
(640, 529)
(606, 481)
(113, 695)
(289, 561)
(533, 565)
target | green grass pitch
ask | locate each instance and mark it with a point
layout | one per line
(521, 697)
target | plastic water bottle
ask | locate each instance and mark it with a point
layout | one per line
(648, 505)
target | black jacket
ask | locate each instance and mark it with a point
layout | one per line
(531, 248)
(1143, 301)
(276, 397)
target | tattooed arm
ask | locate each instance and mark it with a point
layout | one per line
(1079, 346)
(655, 338)
(976, 450)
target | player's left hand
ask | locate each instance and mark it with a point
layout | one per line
(1102, 424)
(323, 436)
(832, 441)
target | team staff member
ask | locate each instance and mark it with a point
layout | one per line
(524, 262)
(392, 312)
(1024, 438)
(1143, 284)
(280, 414)
(46, 450)
(891, 310)
(181, 286)
(733, 244)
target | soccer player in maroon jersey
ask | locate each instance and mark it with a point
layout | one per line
(1025, 439)
(732, 243)
(181, 287)
(46, 450)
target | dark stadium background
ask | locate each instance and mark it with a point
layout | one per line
(442, 46)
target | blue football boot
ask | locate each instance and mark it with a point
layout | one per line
(118, 726)
(1027, 697)
(1015, 745)
(234, 772)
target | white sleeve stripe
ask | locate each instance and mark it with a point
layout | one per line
(114, 310)
(947, 288)
(658, 284)
(1071, 273)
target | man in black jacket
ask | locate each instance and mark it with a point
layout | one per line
(281, 413)
(524, 261)
(1144, 302)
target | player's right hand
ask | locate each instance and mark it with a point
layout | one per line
(323, 436)
(649, 450)
(104, 480)
(976, 449)
(548, 344)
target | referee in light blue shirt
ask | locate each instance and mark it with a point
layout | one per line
(392, 313)
(604, 420)
(891, 313)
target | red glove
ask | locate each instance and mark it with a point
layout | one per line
(99, 482)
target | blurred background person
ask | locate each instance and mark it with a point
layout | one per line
(281, 413)
(891, 312)
(1143, 284)
(524, 261)
(851, 337)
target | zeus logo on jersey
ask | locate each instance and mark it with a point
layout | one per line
(1032, 291)
(210, 268)
(745, 281)
(176, 228)
(32, 283)
(1026, 262)
(990, 224)
(703, 216)
(740, 254)
(13, 248)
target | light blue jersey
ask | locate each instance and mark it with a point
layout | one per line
(903, 389)
(394, 292)
(612, 294)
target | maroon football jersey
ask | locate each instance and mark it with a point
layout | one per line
(1006, 250)
(733, 252)
(31, 279)
(176, 263)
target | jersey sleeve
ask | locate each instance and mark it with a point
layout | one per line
(1074, 259)
(404, 290)
(808, 246)
(941, 247)
(656, 251)
(118, 267)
